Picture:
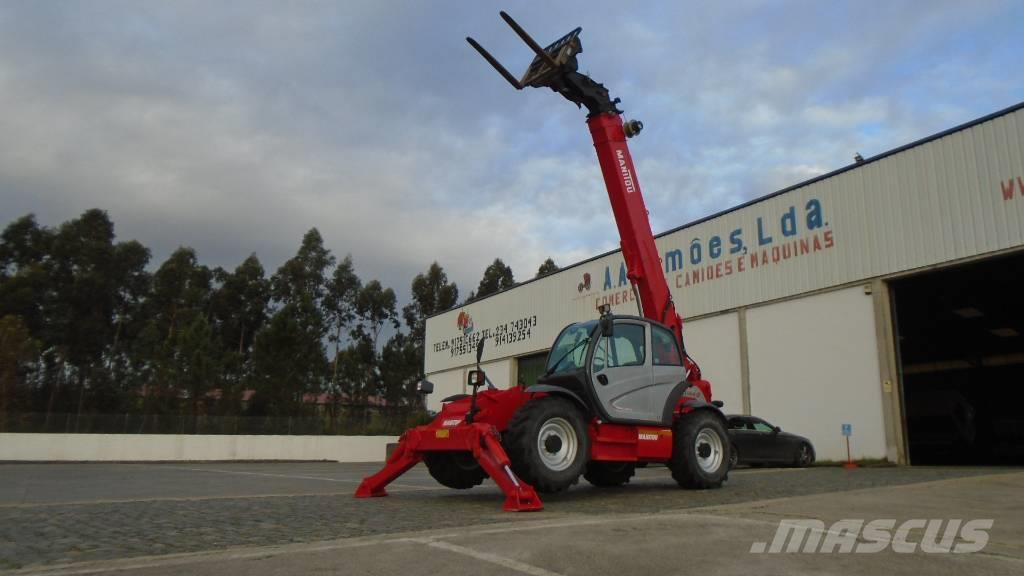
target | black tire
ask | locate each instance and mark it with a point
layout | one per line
(734, 456)
(706, 465)
(562, 425)
(457, 470)
(609, 473)
(804, 456)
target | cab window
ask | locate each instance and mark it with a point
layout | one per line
(625, 348)
(664, 347)
(763, 427)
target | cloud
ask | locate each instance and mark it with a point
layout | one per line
(236, 126)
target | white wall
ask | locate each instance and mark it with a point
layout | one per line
(814, 366)
(454, 381)
(714, 342)
(446, 384)
(165, 447)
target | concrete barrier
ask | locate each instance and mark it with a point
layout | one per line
(186, 447)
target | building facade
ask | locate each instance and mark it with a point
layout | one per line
(880, 295)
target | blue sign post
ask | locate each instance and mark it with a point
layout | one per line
(847, 432)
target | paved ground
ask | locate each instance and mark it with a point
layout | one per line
(300, 518)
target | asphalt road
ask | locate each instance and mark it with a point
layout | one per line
(284, 518)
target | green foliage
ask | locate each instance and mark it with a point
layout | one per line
(89, 327)
(17, 351)
(431, 293)
(497, 277)
(546, 268)
(375, 308)
(288, 362)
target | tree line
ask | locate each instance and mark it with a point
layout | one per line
(87, 326)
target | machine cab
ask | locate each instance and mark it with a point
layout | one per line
(634, 375)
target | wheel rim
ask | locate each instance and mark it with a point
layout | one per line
(557, 444)
(708, 448)
(805, 454)
(734, 457)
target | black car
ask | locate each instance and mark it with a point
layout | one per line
(757, 442)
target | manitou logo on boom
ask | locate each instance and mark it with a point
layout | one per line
(627, 176)
(1008, 187)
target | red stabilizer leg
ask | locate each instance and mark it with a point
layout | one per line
(519, 496)
(402, 459)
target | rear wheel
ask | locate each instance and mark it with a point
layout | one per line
(457, 470)
(701, 454)
(548, 444)
(734, 456)
(609, 473)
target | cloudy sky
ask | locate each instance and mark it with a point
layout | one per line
(234, 127)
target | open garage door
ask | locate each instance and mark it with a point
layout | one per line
(961, 346)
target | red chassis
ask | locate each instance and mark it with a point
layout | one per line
(450, 432)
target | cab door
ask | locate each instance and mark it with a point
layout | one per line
(667, 372)
(620, 371)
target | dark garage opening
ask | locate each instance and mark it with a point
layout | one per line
(960, 335)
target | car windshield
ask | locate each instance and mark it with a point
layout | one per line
(570, 350)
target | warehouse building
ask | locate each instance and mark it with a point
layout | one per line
(885, 296)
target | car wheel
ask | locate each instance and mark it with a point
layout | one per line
(548, 444)
(734, 457)
(804, 456)
(700, 454)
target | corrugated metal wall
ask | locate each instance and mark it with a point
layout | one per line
(936, 202)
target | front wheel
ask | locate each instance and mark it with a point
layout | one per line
(701, 451)
(457, 470)
(548, 444)
(804, 456)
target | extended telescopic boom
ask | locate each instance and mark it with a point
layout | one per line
(555, 67)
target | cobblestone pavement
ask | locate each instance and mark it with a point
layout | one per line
(67, 513)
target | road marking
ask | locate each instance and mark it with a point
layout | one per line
(488, 557)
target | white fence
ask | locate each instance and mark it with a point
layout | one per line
(188, 447)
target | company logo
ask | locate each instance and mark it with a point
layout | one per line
(652, 434)
(451, 422)
(465, 323)
(627, 176)
(855, 536)
(585, 285)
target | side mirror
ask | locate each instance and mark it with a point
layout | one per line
(776, 429)
(425, 387)
(477, 378)
(607, 321)
(480, 350)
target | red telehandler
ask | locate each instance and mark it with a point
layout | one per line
(618, 390)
